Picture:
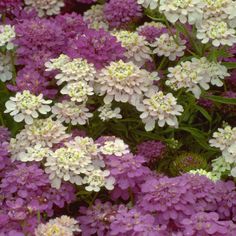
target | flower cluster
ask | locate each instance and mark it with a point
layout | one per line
(7, 35)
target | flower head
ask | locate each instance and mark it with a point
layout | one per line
(152, 4)
(6, 69)
(26, 106)
(7, 35)
(107, 113)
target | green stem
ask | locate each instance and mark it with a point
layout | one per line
(39, 217)
(12, 55)
(163, 60)
(93, 199)
(2, 120)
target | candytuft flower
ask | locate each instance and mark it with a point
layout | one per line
(26, 106)
(7, 35)
(6, 69)
(107, 113)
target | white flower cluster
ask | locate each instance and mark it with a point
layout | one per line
(45, 7)
(183, 10)
(79, 76)
(6, 69)
(152, 4)
(26, 106)
(159, 107)
(166, 46)
(225, 140)
(220, 167)
(123, 82)
(7, 34)
(209, 175)
(107, 113)
(137, 49)
(70, 112)
(196, 74)
(60, 226)
(36, 138)
(79, 162)
(95, 17)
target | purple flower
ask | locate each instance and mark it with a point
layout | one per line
(98, 47)
(97, 218)
(4, 134)
(119, 13)
(87, 1)
(203, 223)
(232, 78)
(9, 5)
(30, 79)
(4, 157)
(151, 150)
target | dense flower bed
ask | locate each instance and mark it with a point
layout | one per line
(117, 117)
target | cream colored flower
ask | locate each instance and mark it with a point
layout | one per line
(137, 49)
(166, 46)
(123, 82)
(60, 226)
(70, 112)
(57, 63)
(217, 32)
(7, 35)
(209, 175)
(45, 7)
(98, 179)
(159, 107)
(183, 10)
(6, 69)
(95, 17)
(68, 164)
(26, 106)
(78, 91)
(115, 147)
(152, 4)
(107, 113)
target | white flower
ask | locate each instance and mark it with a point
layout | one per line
(45, 7)
(209, 175)
(7, 34)
(5, 67)
(158, 106)
(60, 226)
(34, 153)
(218, 32)
(123, 82)
(95, 17)
(152, 4)
(166, 46)
(57, 63)
(68, 164)
(78, 91)
(98, 179)
(26, 106)
(45, 132)
(70, 112)
(225, 140)
(220, 167)
(137, 49)
(196, 74)
(107, 113)
(115, 147)
(183, 10)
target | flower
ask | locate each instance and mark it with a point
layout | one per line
(7, 35)
(26, 106)
(4, 134)
(6, 69)
(136, 46)
(107, 113)
(218, 32)
(97, 218)
(68, 164)
(220, 167)
(161, 107)
(95, 17)
(165, 45)
(185, 10)
(9, 5)
(115, 147)
(151, 150)
(119, 13)
(70, 112)
(151, 30)
(209, 175)
(122, 82)
(208, 224)
(187, 162)
(45, 7)
(152, 4)
(78, 91)
(59, 226)
(98, 47)
(87, 1)
(98, 179)
(71, 70)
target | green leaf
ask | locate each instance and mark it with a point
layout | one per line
(204, 113)
(229, 65)
(220, 99)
